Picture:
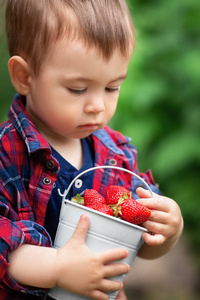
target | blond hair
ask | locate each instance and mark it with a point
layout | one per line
(33, 26)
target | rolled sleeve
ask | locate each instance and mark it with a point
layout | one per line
(12, 235)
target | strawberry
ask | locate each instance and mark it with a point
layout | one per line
(92, 197)
(114, 192)
(104, 208)
(132, 211)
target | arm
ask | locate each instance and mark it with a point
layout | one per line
(165, 224)
(13, 234)
(73, 267)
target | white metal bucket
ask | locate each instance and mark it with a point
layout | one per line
(105, 232)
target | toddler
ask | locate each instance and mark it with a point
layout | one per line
(68, 59)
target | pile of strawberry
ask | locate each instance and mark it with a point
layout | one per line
(118, 202)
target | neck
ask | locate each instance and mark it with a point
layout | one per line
(69, 149)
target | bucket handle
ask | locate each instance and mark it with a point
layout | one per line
(107, 167)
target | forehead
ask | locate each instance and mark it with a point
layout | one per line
(74, 59)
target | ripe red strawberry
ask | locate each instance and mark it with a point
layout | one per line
(114, 192)
(104, 208)
(132, 211)
(92, 197)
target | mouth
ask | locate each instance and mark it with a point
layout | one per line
(90, 126)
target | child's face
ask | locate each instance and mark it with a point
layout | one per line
(76, 92)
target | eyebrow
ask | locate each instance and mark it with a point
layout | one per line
(74, 78)
(120, 78)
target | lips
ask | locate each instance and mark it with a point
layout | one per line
(89, 126)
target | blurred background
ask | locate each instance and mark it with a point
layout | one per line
(159, 109)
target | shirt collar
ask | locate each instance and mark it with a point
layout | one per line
(104, 136)
(22, 122)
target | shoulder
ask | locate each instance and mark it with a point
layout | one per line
(8, 137)
(11, 146)
(8, 133)
(5, 127)
(113, 141)
(107, 135)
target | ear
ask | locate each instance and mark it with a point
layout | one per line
(19, 74)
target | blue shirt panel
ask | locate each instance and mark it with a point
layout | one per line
(66, 175)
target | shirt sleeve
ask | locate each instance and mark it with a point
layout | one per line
(14, 233)
(131, 164)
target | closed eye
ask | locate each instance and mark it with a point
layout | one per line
(77, 92)
(112, 90)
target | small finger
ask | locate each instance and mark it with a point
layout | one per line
(115, 269)
(156, 227)
(159, 216)
(153, 240)
(108, 285)
(112, 255)
(121, 295)
(81, 229)
(143, 193)
(97, 294)
(155, 203)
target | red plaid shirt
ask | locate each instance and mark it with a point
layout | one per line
(28, 172)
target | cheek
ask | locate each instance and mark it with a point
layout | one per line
(113, 105)
(110, 110)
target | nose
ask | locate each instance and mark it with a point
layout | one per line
(95, 104)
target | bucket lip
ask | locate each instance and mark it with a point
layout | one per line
(105, 215)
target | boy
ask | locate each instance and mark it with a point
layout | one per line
(68, 60)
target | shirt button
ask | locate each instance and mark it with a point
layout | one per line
(78, 183)
(47, 181)
(50, 164)
(112, 162)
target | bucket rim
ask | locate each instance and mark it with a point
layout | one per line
(139, 227)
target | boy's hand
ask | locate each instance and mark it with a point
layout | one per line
(121, 295)
(81, 271)
(165, 224)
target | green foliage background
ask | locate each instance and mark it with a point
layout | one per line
(160, 101)
(159, 104)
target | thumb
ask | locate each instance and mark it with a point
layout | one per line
(142, 193)
(81, 229)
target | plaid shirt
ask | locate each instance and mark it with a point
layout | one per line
(28, 172)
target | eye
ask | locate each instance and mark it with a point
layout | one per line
(77, 92)
(112, 90)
